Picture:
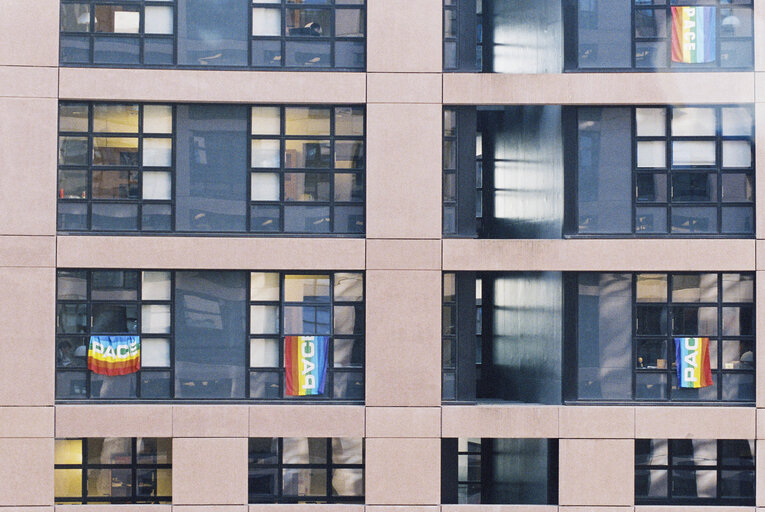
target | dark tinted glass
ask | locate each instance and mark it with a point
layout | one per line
(213, 32)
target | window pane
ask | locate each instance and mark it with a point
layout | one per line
(155, 352)
(738, 287)
(306, 219)
(75, 18)
(349, 187)
(693, 452)
(71, 318)
(694, 220)
(739, 452)
(651, 483)
(156, 217)
(309, 22)
(651, 220)
(349, 286)
(304, 450)
(73, 118)
(155, 285)
(737, 354)
(266, 120)
(158, 20)
(307, 186)
(308, 54)
(694, 484)
(157, 152)
(304, 482)
(114, 285)
(349, 320)
(348, 482)
(693, 153)
(266, 53)
(651, 386)
(157, 119)
(216, 32)
(694, 186)
(115, 184)
(652, 452)
(737, 188)
(264, 286)
(75, 49)
(115, 151)
(264, 319)
(738, 321)
(266, 22)
(737, 484)
(115, 318)
(158, 51)
(738, 386)
(651, 288)
(115, 118)
(652, 354)
(307, 120)
(264, 353)
(157, 185)
(737, 153)
(651, 121)
(306, 320)
(349, 121)
(349, 219)
(349, 155)
(265, 187)
(306, 153)
(72, 353)
(651, 320)
(73, 151)
(306, 288)
(155, 318)
(349, 23)
(265, 153)
(68, 451)
(265, 385)
(694, 321)
(123, 386)
(738, 220)
(72, 284)
(265, 218)
(67, 483)
(348, 353)
(694, 121)
(116, 50)
(651, 154)
(694, 288)
(651, 187)
(71, 385)
(604, 32)
(737, 121)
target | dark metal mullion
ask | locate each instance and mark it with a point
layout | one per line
(134, 469)
(85, 469)
(719, 334)
(282, 154)
(248, 180)
(669, 336)
(332, 151)
(89, 313)
(633, 177)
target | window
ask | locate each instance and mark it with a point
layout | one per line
(495, 471)
(113, 470)
(649, 315)
(506, 336)
(211, 168)
(694, 472)
(209, 335)
(134, 32)
(267, 34)
(553, 36)
(306, 469)
(557, 172)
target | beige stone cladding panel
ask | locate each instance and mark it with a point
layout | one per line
(402, 471)
(211, 85)
(403, 422)
(211, 420)
(28, 141)
(210, 253)
(602, 255)
(403, 343)
(597, 422)
(26, 472)
(760, 342)
(404, 171)
(27, 339)
(210, 471)
(695, 422)
(404, 35)
(29, 36)
(759, 159)
(26, 422)
(404, 88)
(591, 468)
(129, 420)
(512, 421)
(600, 88)
(403, 254)
(300, 420)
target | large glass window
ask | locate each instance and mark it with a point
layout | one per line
(565, 337)
(557, 172)
(158, 335)
(552, 36)
(495, 471)
(264, 34)
(117, 470)
(306, 469)
(695, 472)
(211, 168)
(661, 319)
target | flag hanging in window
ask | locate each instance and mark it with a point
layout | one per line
(694, 34)
(305, 363)
(692, 358)
(114, 355)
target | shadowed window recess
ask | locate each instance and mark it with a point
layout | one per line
(211, 335)
(306, 470)
(695, 472)
(552, 337)
(231, 34)
(118, 470)
(555, 36)
(496, 471)
(211, 169)
(561, 172)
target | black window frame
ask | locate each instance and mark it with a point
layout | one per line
(719, 467)
(355, 373)
(278, 466)
(134, 466)
(331, 6)
(357, 203)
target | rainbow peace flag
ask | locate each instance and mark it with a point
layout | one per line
(305, 362)
(694, 34)
(693, 367)
(114, 355)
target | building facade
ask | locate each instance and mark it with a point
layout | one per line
(492, 225)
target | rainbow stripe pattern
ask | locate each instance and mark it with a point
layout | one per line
(114, 355)
(694, 34)
(693, 367)
(305, 363)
